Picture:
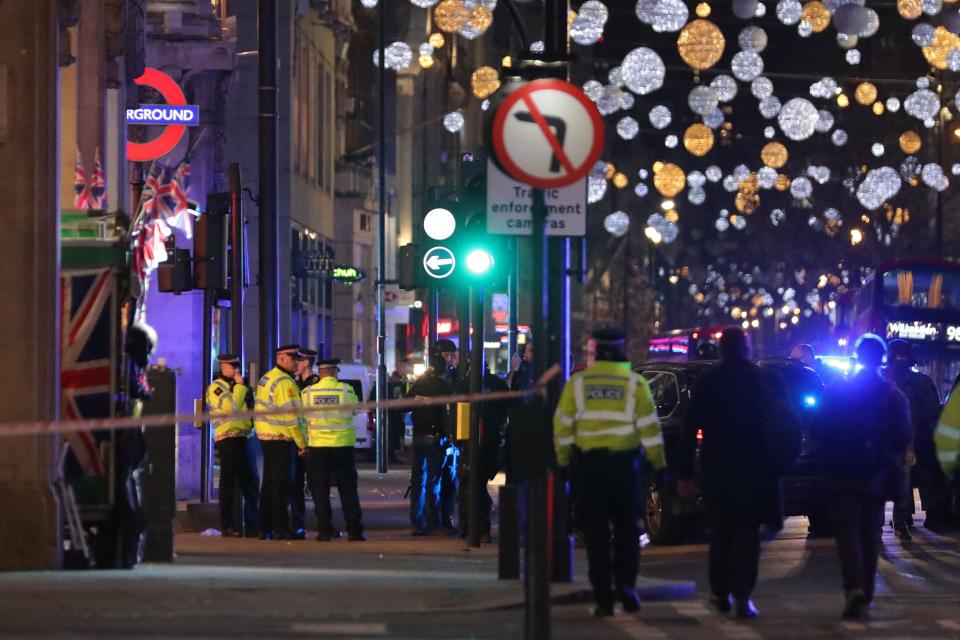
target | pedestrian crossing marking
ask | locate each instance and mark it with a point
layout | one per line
(340, 629)
(635, 629)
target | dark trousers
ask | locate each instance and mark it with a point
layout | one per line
(449, 484)
(275, 491)
(934, 491)
(734, 554)
(298, 498)
(858, 527)
(334, 464)
(608, 490)
(236, 472)
(426, 464)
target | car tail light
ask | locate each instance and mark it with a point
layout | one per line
(699, 435)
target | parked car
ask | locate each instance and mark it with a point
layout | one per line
(668, 516)
(363, 380)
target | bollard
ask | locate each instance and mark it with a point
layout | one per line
(508, 550)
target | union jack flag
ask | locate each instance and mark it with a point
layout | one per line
(81, 191)
(98, 186)
(86, 302)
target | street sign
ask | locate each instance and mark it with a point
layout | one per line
(547, 134)
(439, 262)
(168, 115)
(509, 206)
(347, 274)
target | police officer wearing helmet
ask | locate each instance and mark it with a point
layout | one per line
(228, 394)
(280, 435)
(330, 452)
(606, 420)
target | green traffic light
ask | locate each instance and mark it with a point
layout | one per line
(479, 261)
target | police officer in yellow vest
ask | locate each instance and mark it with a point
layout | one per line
(947, 438)
(228, 394)
(330, 447)
(605, 422)
(281, 437)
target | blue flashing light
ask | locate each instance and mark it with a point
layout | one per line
(809, 401)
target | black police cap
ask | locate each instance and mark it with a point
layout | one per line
(608, 335)
(294, 348)
(329, 363)
(228, 358)
(445, 345)
(307, 353)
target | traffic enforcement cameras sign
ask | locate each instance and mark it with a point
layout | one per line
(547, 134)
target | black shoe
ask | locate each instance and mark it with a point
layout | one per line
(356, 537)
(300, 534)
(603, 611)
(630, 600)
(230, 533)
(266, 535)
(323, 537)
(723, 604)
(856, 606)
(743, 608)
(418, 533)
(284, 535)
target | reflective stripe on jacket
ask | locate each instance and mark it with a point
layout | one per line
(221, 399)
(330, 429)
(607, 406)
(277, 390)
(947, 435)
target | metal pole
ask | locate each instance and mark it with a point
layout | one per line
(381, 433)
(513, 302)
(538, 290)
(477, 475)
(433, 316)
(269, 171)
(463, 334)
(236, 263)
(536, 585)
(207, 376)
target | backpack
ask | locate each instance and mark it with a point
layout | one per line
(854, 447)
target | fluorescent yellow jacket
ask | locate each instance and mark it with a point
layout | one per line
(221, 399)
(330, 429)
(607, 406)
(947, 435)
(277, 390)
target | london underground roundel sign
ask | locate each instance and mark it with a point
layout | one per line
(547, 134)
(174, 116)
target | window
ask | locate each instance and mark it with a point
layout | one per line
(666, 392)
(323, 99)
(922, 287)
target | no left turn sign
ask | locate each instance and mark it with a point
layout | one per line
(547, 134)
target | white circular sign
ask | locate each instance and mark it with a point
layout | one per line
(439, 223)
(439, 262)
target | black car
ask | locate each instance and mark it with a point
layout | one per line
(669, 517)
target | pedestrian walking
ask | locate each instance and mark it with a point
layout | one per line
(332, 437)
(229, 394)
(281, 437)
(863, 429)
(605, 427)
(922, 470)
(431, 432)
(749, 435)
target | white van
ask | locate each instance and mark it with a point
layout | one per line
(363, 380)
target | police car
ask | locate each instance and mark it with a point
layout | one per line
(668, 517)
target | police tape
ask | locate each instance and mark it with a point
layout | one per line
(170, 419)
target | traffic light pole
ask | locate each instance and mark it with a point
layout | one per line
(477, 477)
(268, 202)
(381, 390)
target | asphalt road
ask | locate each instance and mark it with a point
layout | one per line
(394, 586)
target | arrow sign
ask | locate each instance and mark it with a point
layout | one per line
(439, 262)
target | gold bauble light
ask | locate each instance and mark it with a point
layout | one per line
(843, 101)
(657, 166)
(670, 180)
(436, 40)
(817, 14)
(774, 155)
(782, 183)
(865, 93)
(672, 216)
(878, 108)
(910, 9)
(451, 15)
(943, 43)
(701, 44)
(910, 142)
(703, 10)
(481, 18)
(698, 139)
(746, 202)
(484, 81)
(611, 170)
(426, 61)
(620, 180)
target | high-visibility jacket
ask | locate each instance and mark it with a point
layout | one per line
(277, 390)
(222, 399)
(947, 435)
(607, 406)
(329, 428)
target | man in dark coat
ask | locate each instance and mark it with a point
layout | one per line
(741, 411)
(924, 400)
(863, 429)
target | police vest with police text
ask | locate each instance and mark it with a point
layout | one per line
(330, 428)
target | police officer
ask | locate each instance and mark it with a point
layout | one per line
(606, 421)
(330, 452)
(280, 435)
(449, 480)
(947, 439)
(298, 500)
(228, 394)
